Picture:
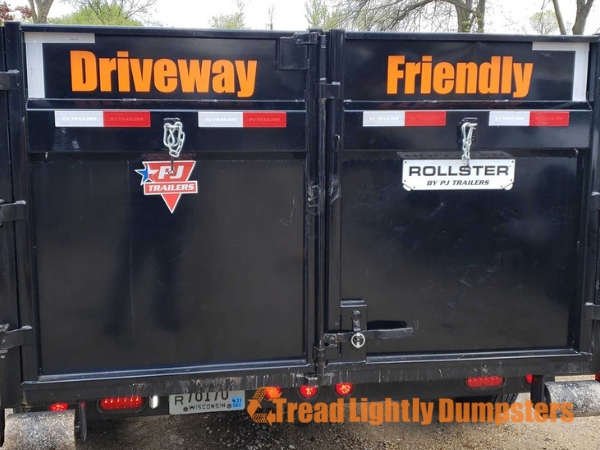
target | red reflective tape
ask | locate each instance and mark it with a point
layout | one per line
(265, 120)
(425, 119)
(127, 119)
(549, 119)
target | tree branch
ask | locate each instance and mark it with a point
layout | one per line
(559, 17)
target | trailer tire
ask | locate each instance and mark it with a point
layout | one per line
(504, 398)
(500, 398)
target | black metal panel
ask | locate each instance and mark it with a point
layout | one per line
(479, 270)
(154, 68)
(520, 72)
(123, 283)
(358, 137)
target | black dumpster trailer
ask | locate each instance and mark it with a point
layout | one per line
(188, 216)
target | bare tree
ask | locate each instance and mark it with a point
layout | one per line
(583, 8)
(386, 15)
(544, 22)
(40, 10)
(270, 15)
(232, 21)
(113, 11)
(322, 14)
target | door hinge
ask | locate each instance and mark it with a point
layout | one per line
(14, 338)
(314, 199)
(10, 212)
(10, 80)
(592, 312)
(329, 91)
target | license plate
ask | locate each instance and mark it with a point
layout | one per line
(207, 402)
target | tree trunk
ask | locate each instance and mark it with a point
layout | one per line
(583, 11)
(464, 15)
(559, 17)
(481, 16)
(40, 10)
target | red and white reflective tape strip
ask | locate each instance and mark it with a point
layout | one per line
(85, 118)
(242, 119)
(529, 118)
(404, 118)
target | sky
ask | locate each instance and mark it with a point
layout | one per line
(504, 16)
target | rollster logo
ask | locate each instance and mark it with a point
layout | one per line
(499, 75)
(90, 73)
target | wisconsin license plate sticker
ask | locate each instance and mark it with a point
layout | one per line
(207, 402)
(452, 174)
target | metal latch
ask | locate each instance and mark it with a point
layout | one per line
(360, 334)
(10, 212)
(14, 338)
(10, 80)
(592, 311)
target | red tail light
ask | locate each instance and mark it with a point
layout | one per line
(344, 389)
(121, 403)
(272, 392)
(598, 377)
(484, 382)
(308, 391)
(529, 379)
(59, 406)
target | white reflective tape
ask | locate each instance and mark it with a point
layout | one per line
(580, 69)
(35, 70)
(383, 118)
(223, 119)
(509, 118)
(59, 38)
(83, 119)
(34, 52)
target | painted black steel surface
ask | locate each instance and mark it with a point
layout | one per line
(214, 282)
(236, 288)
(477, 270)
(483, 270)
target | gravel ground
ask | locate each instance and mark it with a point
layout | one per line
(236, 431)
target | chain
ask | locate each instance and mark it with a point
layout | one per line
(467, 129)
(173, 137)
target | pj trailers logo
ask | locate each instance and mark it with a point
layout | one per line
(159, 178)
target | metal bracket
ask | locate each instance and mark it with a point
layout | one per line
(14, 338)
(592, 312)
(10, 80)
(329, 91)
(10, 212)
(306, 38)
(595, 201)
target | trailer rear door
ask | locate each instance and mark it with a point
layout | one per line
(145, 262)
(474, 248)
